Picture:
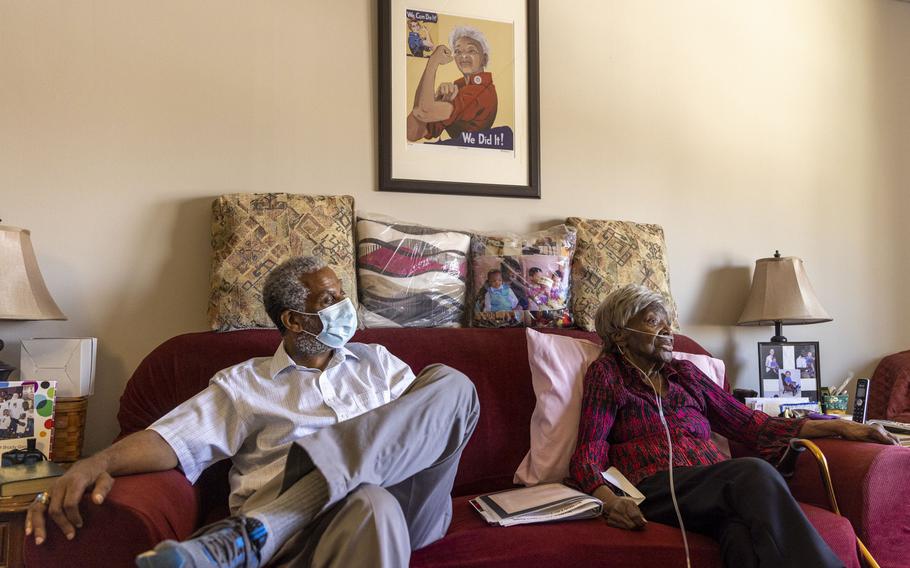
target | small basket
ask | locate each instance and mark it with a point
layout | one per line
(69, 429)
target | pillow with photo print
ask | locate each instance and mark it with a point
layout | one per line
(522, 280)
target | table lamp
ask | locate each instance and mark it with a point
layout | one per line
(23, 295)
(781, 294)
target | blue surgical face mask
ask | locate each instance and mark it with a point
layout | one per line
(339, 322)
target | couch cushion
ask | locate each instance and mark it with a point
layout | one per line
(610, 254)
(889, 389)
(411, 275)
(471, 542)
(535, 278)
(837, 532)
(254, 232)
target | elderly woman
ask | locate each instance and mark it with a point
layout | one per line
(641, 407)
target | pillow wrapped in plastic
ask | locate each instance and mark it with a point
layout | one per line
(411, 275)
(522, 280)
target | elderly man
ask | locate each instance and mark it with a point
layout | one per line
(341, 456)
(651, 417)
(467, 105)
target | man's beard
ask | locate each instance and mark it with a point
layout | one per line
(308, 346)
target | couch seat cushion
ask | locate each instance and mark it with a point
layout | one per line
(837, 532)
(471, 542)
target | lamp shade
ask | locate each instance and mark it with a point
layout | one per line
(23, 295)
(781, 293)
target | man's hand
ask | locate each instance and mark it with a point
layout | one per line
(441, 55)
(446, 92)
(623, 513)
(64, 498)
(140, 452)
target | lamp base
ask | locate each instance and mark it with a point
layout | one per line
(778, 333)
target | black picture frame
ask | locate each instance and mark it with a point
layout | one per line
(791, 359)
(389, 180)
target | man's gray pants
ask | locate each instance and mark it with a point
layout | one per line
(390, 473)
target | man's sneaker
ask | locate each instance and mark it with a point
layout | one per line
(234, 542)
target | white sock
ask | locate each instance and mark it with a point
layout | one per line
(291, 511)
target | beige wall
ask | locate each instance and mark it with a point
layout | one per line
(741, 127)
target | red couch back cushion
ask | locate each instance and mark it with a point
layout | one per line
(889, 389)
(495, 360)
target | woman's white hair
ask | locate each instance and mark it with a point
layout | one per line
(473, 34)
(622, 305)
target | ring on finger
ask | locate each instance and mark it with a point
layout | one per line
(42, 498)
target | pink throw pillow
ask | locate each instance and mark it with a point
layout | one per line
(558, 366)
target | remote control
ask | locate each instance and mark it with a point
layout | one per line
(859, 401)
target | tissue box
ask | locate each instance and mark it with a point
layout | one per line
(836, 403)
(69, 361)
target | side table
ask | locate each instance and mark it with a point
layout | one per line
(69, 431)
(12, 530)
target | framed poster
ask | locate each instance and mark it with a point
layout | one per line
(458, 97)
(789, 370)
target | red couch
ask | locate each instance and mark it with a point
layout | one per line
(872, 481)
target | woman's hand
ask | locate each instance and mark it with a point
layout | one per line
(848, 430)
(620, 512)
(623, 513)
(867, 433)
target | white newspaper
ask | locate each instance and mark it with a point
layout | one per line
(536, 504)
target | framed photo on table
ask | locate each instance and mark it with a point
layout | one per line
(459, 97)
(26, 412)
(789, 370)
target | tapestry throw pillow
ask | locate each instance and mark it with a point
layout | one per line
(252, 233)
(522, 280)
(558, 366)
(611, 254)
(410, 275)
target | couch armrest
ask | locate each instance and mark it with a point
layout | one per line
(140, 511)
(872, 487)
